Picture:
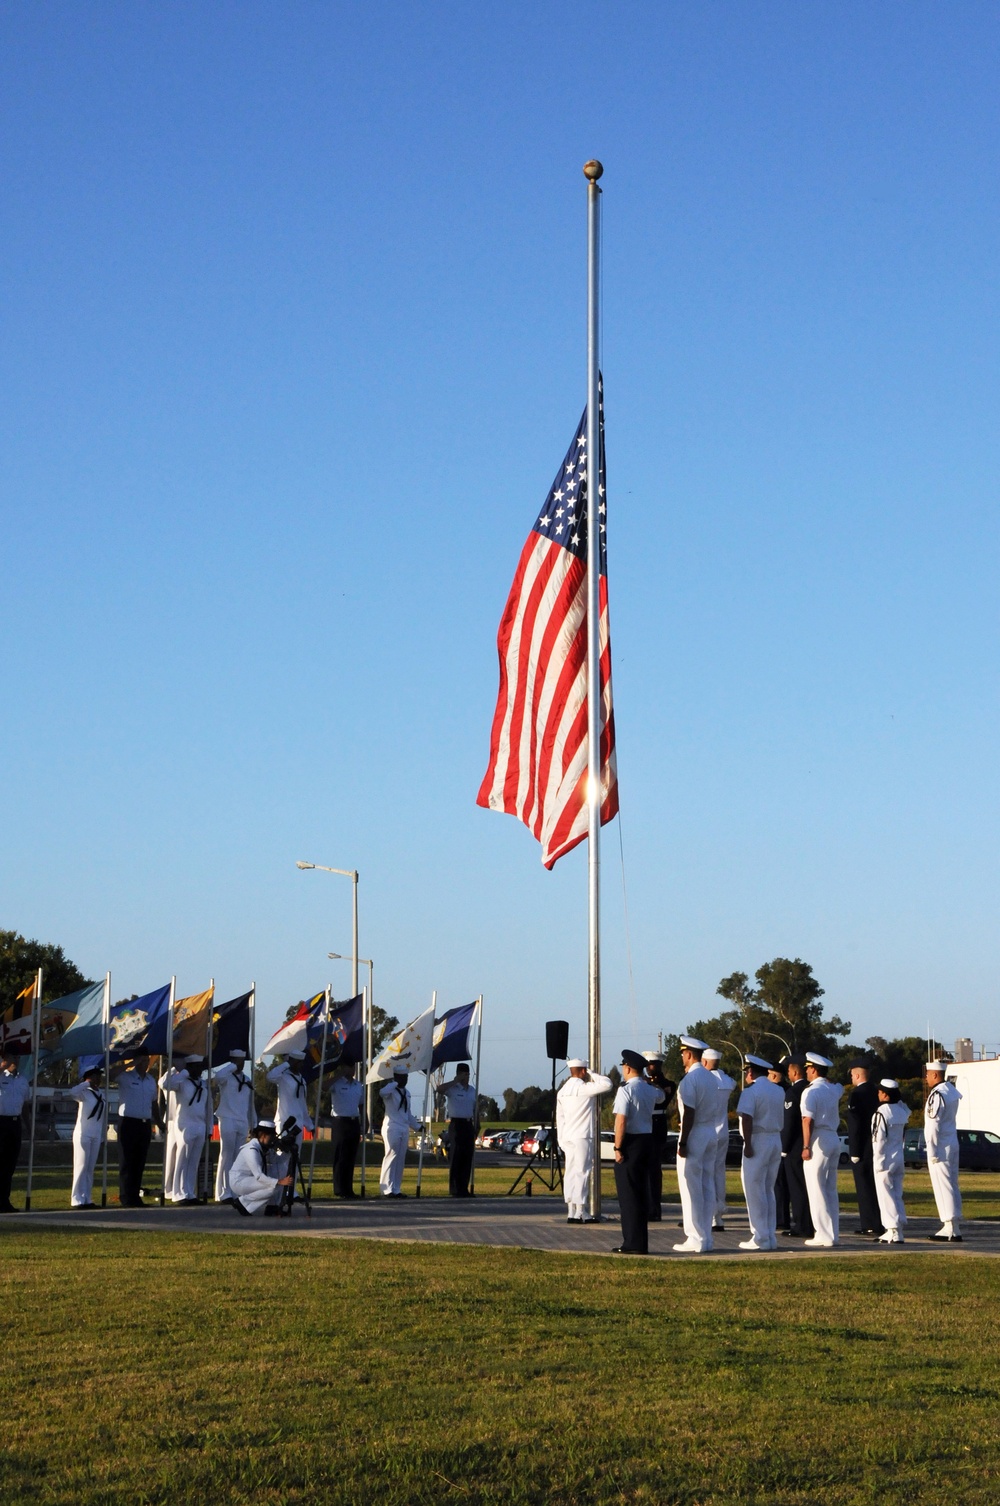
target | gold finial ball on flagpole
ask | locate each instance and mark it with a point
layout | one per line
(593, 170)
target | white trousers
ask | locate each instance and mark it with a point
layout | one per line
(889, 1188)
(821, 1185)
(190, 1143)
(696, 1178)
(720, 1171)
(758, 1175)
(170, 1159)
(85, 1153)
(944, 1181)
(395, 1139)
(576, 1175)
(232, 1137)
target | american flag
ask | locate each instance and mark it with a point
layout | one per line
(538, 748)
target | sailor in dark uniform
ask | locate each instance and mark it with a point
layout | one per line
(661, 1123)
(862, 1105)
(633, 1111)
(801, 1224)
(776, 1074)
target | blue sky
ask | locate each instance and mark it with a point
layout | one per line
(293, 316)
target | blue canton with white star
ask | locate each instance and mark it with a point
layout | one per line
(564, 515)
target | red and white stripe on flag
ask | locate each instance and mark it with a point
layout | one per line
(538, 749)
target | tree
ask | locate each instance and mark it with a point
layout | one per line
(780, 1011)
(532, 1104)
(20, 961)
(488, 1109)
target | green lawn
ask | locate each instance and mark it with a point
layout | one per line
(189, 1368)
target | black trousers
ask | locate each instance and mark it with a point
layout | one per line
(798, 1198)
(134, 1136)
(461, 1150)
(864, 1182)
(659, 1140)
(781, 1197)
(10, 1149)
(345, 1138)
(632, 1185)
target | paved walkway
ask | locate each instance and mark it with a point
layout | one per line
(520, 1223)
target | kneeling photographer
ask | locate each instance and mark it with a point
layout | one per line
(255, 1189)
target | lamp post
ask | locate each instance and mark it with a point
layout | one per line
(352, 874)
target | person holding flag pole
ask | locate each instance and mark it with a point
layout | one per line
(36, 1041)
(423, 1112)
(105, 1023)
(319, 1087)
(167, 1107)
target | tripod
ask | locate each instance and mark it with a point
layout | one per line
(291, 1132)
(547, 1160)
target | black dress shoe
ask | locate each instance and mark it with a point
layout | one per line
(574, 1220)
(624, 1250)
(238, 1207)
(949, 1239)
(187, 1202)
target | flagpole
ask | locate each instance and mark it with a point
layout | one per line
(36, 1042)
(475, 1112)
(366, 1113)
(319, 1089)
(253, 1049)
(105, 1020)
(166, 1096)
(209, 1106)
(593, 171)
(423, 1116)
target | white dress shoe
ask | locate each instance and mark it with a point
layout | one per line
(822, 1244)
(751, 1244)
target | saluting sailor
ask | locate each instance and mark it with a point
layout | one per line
(710, 1059)
(698, 1097)
(190, 1096)
(888, 1123)
(138, 1111)
(941, 1136)
(820, 1109)
(88, 1135)
(235, 1114)
(255, 1187)
(15, 1091)
(289, 1078)
(575, 1119)
(633, 1109)
(396, 1127)
(761, 1110)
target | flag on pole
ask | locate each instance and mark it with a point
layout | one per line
(17, 1023)
(451, 1035)
(538, 747)
(345, 1038)
(230, 1028)
(141, 1022)
(191, 1023)
(411, 1048)
(73, 1025)
(295, 1034)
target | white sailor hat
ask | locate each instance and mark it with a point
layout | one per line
(711, 1051)
(296, 1056)
(190, 1061)
(264, 1124)
(400, 1068)
(238, 1051)
(758, 1061)
(817, 1060)
(654, 1056)
(888, 1082)
(576, 1061)
(693, 1043)
(89, 1072)
(935, 1066)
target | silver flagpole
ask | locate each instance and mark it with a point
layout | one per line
(319, 1089)
(366, 1096)
(105, 1019)
(209, 1106)
(593, 171)
(166, 1095)
(423, 1116)
(36, 1043)
(475, 1113)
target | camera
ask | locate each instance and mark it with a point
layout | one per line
(287, 1139)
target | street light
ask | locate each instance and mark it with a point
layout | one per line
(352, 874)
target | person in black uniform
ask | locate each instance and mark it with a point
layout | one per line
(781, 1206)
(661, 1121)
(800, 1223)
(862, 1105)
(633, 1111)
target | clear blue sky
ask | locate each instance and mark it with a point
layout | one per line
(293, 341)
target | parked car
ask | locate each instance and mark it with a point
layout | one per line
(978, 1150)
(535, 1139)
(511, 1141)
(493, 1140)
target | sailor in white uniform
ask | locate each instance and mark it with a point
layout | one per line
(289, 1079)
(820, 1109)
(888, 1123)
(710, 1061)
(575, 1132)
(235, 1115)
(698, 1102)
(761, 1110)
(941, 1135)
(256, 1188)
(396, 1127)
(171, 1138)
(88, 1135)
(190, 1095)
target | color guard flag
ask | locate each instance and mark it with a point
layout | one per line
(140, 1022)
(538, 747)
(345, 1038)
(451, 1035)
(230, 1028)
(74, 1025)
(191, 1024)
(295, 1034)
(17, 1023)
(410, 1048)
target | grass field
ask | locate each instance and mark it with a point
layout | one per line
(52, 1179)
(185, 1368)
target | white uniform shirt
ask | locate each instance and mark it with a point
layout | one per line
(574, 1112)
(235, 1095)
(699, 1092)
(940, 1111)
(888, 1123)
(725, 1085)
(292, 1103)
(460, 1098)
(345, 1098)
(821, 1103)
(90, 1110)
(136, 1095)
(636, 1099)
(189, 1096)
(397, 1107)
(15, 1090)
(763, 1102)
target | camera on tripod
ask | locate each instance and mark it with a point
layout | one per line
(288, 1137)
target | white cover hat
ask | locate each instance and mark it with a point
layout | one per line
(576, 1061)
(888, 1082)
(654, 1056)
(935, 1066)
(237, 1051)
(296, 1056)
(817, 1060)
(711, 1051)
(758, 1061)
(190, 1061)
(694, 1043)
(264, 1124)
